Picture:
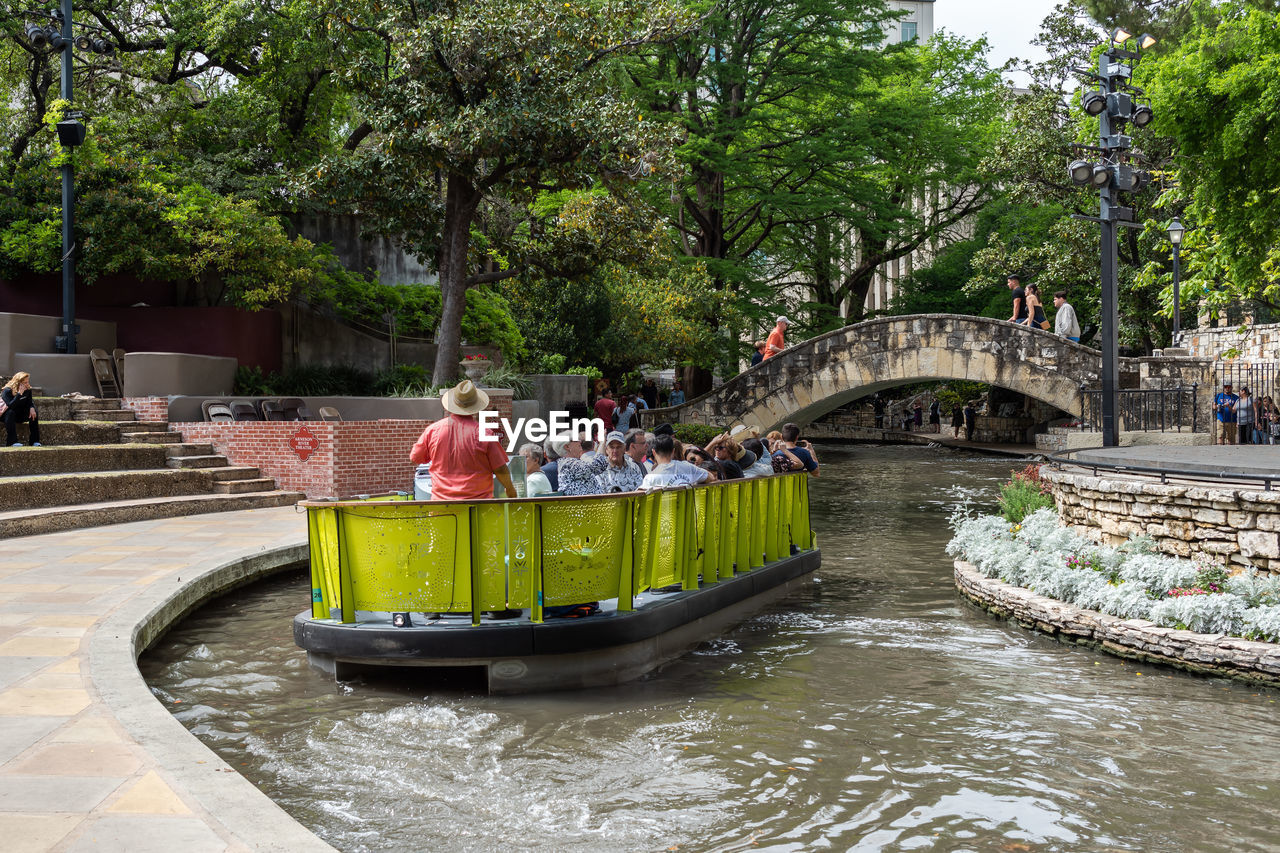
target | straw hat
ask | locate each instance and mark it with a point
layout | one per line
(464, 399)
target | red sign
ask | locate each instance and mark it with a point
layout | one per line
(304, 443)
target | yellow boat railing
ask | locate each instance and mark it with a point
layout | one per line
(392, 555)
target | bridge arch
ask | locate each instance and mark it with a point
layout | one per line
(816, 376)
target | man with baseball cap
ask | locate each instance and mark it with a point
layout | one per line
(777, 338)
(462, 466)
(1225, 406)
(622, 475)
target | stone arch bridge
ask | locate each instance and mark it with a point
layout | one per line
(813, 377)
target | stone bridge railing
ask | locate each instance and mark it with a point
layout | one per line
(811, 378)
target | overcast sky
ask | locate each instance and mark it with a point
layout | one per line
(1009, 25)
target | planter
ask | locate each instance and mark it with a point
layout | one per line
(476, 369)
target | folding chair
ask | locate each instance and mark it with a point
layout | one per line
(243, 410)
(295, 409)
(272, 411)
(117, 358)
(329, 413)
(104, 373)
(217, 412)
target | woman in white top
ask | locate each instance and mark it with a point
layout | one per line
(535, 482)
(1245, 416)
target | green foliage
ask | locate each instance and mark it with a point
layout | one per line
(698, 434)
(250, 382)
(399, 378)
(549, 363)
(592, 373)
(1023, 495)
(507, 377)
(958, 392)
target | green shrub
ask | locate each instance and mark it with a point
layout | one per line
(1024, 494)
(592, 373)
(505, 377)
(400, 379)
(250, 382)
(698, 434)
(333, 380)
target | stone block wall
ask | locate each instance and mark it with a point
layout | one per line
(1242, 525)
(854, 425)
(1257, 343)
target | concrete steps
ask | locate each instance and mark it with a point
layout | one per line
(53, 519)
(100, 465)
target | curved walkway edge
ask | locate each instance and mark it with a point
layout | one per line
(89, 759)
(1136, 639)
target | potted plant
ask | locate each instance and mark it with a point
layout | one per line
(476, 366)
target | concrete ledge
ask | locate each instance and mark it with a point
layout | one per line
(151, 374)
(234, 806)
(1135, 639)
(57, 373)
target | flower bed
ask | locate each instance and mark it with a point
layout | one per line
(1130, 582)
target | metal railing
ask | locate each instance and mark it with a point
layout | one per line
(392, 555)
(1062, 460)
(1259, 378)
(1147, 409)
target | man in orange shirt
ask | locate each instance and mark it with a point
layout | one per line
(776, 342)
(462, 466)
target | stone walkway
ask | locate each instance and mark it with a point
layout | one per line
(88, 760)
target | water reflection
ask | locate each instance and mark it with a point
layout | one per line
(877, 711)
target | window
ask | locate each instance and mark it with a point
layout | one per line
(909, 30)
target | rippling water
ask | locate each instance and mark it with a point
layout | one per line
(876, 711)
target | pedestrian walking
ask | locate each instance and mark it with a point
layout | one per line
(957, 420)
(935, 416)
(777, 338)
(1019, 300)
(1065, 321)
(970, 420)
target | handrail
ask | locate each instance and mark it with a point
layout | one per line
(1165, 473)
(532, 553)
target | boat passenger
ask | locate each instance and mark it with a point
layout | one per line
(726, 449)
(550, 466)
(713, 471)
(577, 476)
(763, 466)
(800, 448)
(535, 482)
(637, 447)
(462, 466)
(670, 472)
(622, 475)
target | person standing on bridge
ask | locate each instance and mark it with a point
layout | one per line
(758, 355)
(1065, 321)
(1019, 300)
(1224, 405)
(777, 338)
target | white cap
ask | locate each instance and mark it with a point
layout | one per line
(782, 318)
(614, 435)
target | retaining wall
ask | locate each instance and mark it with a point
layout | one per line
(1242, 525)
(1139, 639)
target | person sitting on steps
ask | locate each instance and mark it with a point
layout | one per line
(16, 396)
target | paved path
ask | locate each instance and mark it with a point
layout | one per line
(1222, 459)
(88, 761)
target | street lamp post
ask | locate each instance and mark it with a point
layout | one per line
(1175, 232)
(71, 132)
(1113, 103)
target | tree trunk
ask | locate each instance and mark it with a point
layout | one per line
(461, 201)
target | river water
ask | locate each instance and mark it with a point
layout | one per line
(875, 711)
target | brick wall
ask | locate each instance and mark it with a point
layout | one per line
(148, 408)
(351, 457)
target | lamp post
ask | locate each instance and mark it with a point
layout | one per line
(1113, 103)
(1175, 232)
(59, 38)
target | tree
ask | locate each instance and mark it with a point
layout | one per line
(486, 99)
(1215, 94)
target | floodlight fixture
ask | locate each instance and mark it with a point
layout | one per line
(56, 41)
(1101, 176)
(1081, 171)
(1143, 116)
(1120, 35)
(37, 36)
(84, 43)
(102, 46)
(1146, 41)
(1093, 102)
(1175, 231)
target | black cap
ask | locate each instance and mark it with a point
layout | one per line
(664, 429)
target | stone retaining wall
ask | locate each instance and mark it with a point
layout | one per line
(1138, 639)
(1259, 342)
(1242, 525)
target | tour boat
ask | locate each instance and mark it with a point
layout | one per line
(443, 586)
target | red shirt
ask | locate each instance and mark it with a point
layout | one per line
(604, 411)
(462, 465)
(775, 344)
